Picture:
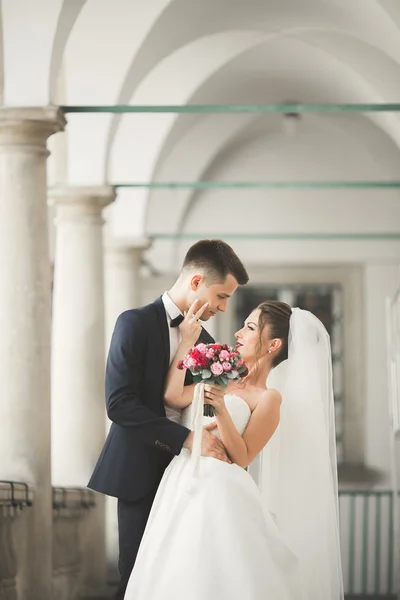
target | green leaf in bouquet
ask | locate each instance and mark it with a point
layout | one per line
(231, 375)
(206, 374)
(221, 381)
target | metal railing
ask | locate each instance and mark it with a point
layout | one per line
(367, 541)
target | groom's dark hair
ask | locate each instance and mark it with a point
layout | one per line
(216, 259)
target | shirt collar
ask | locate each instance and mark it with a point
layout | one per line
(171, 309)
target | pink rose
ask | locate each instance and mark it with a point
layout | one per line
(227, 366)
(224, 355)
(216, 369)
(210, 353)
(202, 348)
(186, 362)
(191, 362)
(240, 363)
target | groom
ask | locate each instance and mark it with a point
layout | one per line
(142, 441)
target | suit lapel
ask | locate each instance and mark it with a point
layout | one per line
(163, 328)
(204, 337)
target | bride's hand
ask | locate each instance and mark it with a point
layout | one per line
(190, 327)
(215, 395)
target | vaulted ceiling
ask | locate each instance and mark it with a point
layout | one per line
(100, 52)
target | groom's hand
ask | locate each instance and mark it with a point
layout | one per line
(210, 446)
(190, 327)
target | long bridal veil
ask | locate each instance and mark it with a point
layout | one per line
(297, 470)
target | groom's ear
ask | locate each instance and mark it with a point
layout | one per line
(195, 282)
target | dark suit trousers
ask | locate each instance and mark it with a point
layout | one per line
(132, 519)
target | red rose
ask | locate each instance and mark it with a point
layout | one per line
(200, 359)
(196, 354)
(203, 362)
(216, 346)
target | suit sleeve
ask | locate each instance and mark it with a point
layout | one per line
(124, 403)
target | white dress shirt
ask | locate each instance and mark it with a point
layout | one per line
(171, 312)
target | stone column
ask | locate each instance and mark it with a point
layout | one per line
(25, 300)
(122, 259)
(78, 409)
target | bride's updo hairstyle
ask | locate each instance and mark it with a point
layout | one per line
(276, 316)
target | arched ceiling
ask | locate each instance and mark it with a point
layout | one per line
(357, 150)
(216, 51)
(163, 51)
(289, 66)
(1, 59)
(226, 85)
(34, 35)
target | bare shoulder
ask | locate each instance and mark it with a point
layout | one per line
(269, 398)
(274, 395)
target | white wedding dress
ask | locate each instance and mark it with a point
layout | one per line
(209, 537)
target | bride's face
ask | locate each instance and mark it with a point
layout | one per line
(248, 337)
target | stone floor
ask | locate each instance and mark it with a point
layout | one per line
(370, 597)
(107, 594)
(110, 592)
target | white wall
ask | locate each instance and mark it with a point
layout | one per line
(380, 282)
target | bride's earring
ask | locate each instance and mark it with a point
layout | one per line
(269, 351)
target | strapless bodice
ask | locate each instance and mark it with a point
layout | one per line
(238, 409)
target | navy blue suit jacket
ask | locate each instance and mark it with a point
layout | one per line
(141, 441)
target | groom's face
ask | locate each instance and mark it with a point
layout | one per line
(216, 294)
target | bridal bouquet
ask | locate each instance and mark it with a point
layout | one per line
(214, 363)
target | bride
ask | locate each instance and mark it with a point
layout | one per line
(213, 533)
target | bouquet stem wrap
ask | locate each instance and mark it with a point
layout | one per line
(197, 425)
